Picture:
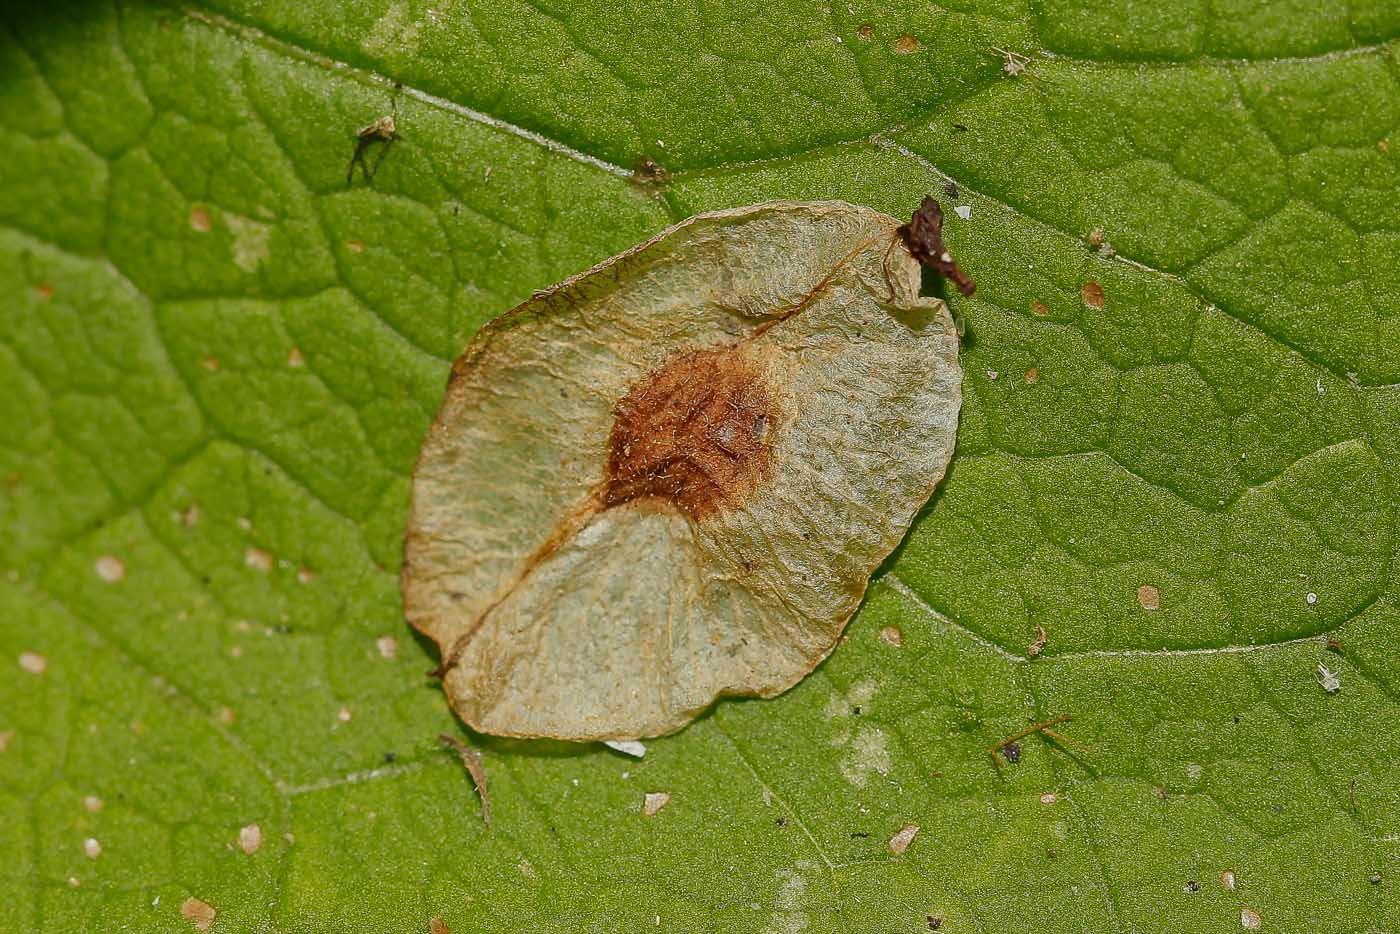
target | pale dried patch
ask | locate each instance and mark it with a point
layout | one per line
(110, 568)
(901, 840)
(1033, 375)
(250, 241)
(789, 918)
(250, 839)
(1227, 879)
(1049, 798)
(33, 662)
(869, 753)
(258, 560)
(92, 803)
(394, 32)
(655, 801)
(634, 748)
(200, 220)
(1092, 294)
(44, 291)
(199, 913)
(905, 45)
(1149, 597)
(344, 715)
(438, 926)
(305, 575)
(92, 848)
(295, 359)
(1249, 919)
(388, 646)
(891, 635)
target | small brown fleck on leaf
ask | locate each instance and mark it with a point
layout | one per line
(199, 913)
(211, 364)
(923, 237)
(44, 291)
(1383, 145)
(355, 246)
(1092, 293)
(1149, 597)
(1095, 238)
(1033, 375)
(250, 839)
(258, 560)
(865, 31)
(438, 926)
(905, 45)
(1249, 919)
(472, 760)
(226, 716)
(109, 568)
(892, 636)
(92, 803)
(1049, 798)
(902, 838)
(655, 801)
(649, 173)
(1227, 879)
(33, 662)
(1161, 793)
(5, 737)
(199, 219)
(1038, 643)
(1039, 309)
(1333, 645)
(190, 516)
(295, 359)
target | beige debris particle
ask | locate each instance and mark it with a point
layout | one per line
(294, 358)
(5, 737)
(905, 45)
(343, 715)
(235, 651)
(257, 559)
(1227, 879)
(190, 516)
(892, 636)
(1038, 643)
(244, 523)
(250, 839)
(901, 840)
(1149, 597)
(91, 848)
(211, 364)
(44, 291)
(355, 246)
(199, 913)
(1092, 293)
(74, 882)
(305, 575)
(1039, 309)
(200, 220)
(1049, 798)
(1249, 919)
(655, 801)
(33, 662)
(865, 31)
(438, 926)
(109, 568)
(1033, 375)
(92, 803)
(388, 646)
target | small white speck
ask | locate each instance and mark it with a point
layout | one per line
(343, 715)
(901, 840)
(244, 523)
(1311, 598)
(661, 143)
(91, 848)
(655, 801)
(574, 782)
(250, 839)
(1194, 772)
(626, 775)
(388, 646)
(109, 568)
(1049, 798)
(963, 210)
(92, 803)
(257, 559)
(992, 374)
(1249, 919)
(1321, 389)
(631, 747)
(33, 662)
(1328, 679)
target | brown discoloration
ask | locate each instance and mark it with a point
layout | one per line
(693, 434)
(200, 220)
(44, 291)
(1038, 643)
(1092, 293)
(472, 760)
(1039, 309)
(905, 45)
(1033, 375)
(1149, 597)
(865, 31)
(923, 236)
(649, 173)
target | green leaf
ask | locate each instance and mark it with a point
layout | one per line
(1179, 455)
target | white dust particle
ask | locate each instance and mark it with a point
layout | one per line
(33, 662)
(199, 913)
(1227, 879)
(1311, 598)
(91, 848)
(250, 240)
(869, 753)
(1328, 679)
(109, 568)
(631, 747)
(92, 803)
(294, 358)
(901, 840)
(892, 636)
(388, 646)
(655, 801)
(250, 839)
(1194, 772)
(1149, 597)
(343, 715)
(226, 715)
(257, 559)
(963, 210)
(1049, 798)
(244, 523)
(438, 926)
(1249, 919)
(74, 882)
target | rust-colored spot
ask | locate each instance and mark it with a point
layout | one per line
(1033, 375)
(1092, 293)
(905, 45)
(355, 246)
(1149, 597)
(199, 913)
(438, 926)
(694, 433)
(44, 291)
(865, 31)
(1039, 310)
(199, 219)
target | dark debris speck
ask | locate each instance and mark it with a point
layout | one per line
(1012, 752)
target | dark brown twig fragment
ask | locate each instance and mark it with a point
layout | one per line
(923, 237)
(1012, 742)
(472, 760)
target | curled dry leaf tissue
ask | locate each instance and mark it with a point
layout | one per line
(669, 478)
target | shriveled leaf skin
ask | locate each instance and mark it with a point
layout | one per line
(565, 609)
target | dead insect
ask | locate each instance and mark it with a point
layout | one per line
(1038, 645)
(384, 130)
(923, 237)
(472, 760)
(1014, 64)
(649, 173)
(1012, 752)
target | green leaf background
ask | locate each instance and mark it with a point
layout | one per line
(217, 361)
